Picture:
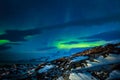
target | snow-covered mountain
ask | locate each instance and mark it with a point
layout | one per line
(98, 63)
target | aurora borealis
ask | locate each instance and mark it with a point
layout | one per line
(34, 28)
(80, 45)
(2, 42)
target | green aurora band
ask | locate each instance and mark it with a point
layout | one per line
(2, 42)
(60, 45)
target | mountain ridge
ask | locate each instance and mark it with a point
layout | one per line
(66, 65)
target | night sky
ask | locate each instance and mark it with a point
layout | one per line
(34, 28)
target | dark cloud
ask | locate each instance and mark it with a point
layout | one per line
(85, 22)
(21, 11)
(46, 48)
(91, 40)
(18, 35)
(77, 42)
(14, 43)
(60, 40)
(111, 35)
(95, 21)
(71, 42)
(7, 46)
(4, 47)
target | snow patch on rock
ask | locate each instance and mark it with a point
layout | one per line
(45, 69)
(81, 76)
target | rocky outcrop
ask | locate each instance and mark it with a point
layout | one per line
(80, 63)
(98, 63)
